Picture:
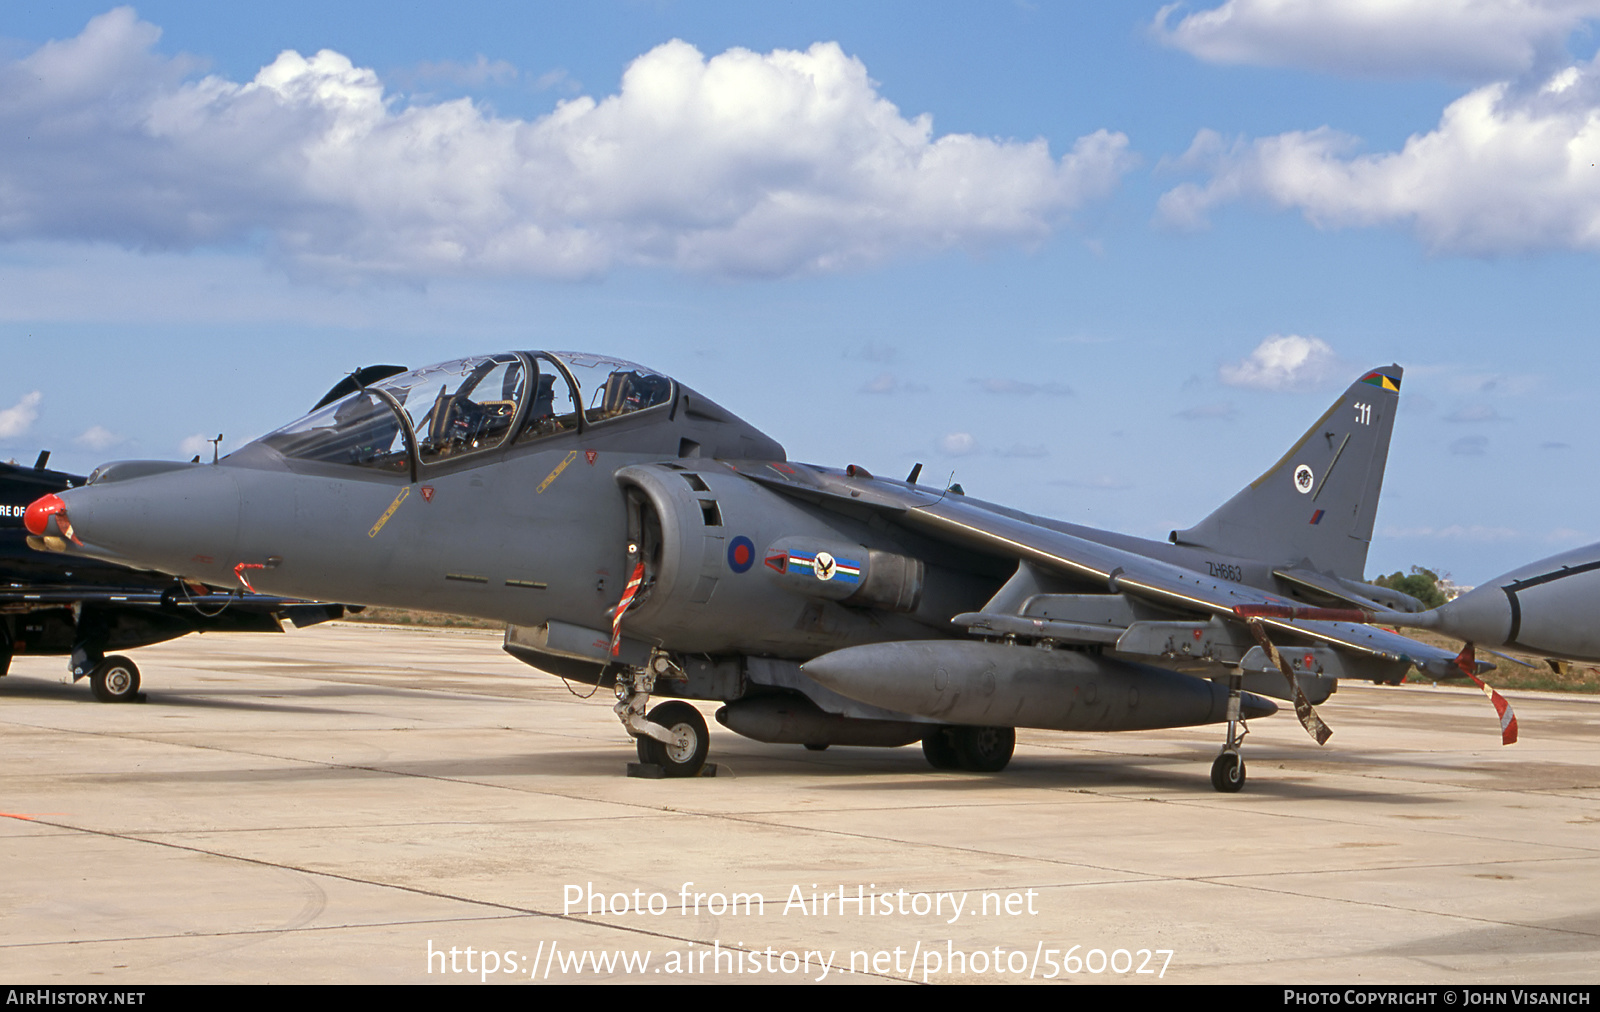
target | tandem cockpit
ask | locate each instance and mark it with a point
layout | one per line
(471, 405)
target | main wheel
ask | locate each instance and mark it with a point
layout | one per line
(1227, 773)
(684, 760)
(985, 749)
(114, 680)
(940, 750)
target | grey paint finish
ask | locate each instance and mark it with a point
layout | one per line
(501, 506)
(1317, 505)
(1015, 686)
(1550, 607)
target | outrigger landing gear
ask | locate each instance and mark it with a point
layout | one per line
(1227, 772)
(672, 741)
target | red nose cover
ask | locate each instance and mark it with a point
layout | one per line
(40, 511)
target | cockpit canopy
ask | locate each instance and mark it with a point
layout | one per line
(469, 406)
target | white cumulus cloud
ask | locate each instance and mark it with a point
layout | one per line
(1471, 39)
(98, 437)
(1283, 362)
(743, 164)
(1508, 169)
(18, 418)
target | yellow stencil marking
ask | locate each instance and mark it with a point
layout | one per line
(389, 512)
(553, 475)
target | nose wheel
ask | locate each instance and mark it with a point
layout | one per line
(685, 755)
(115, 680)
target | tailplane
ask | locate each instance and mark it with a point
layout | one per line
(1316, 506)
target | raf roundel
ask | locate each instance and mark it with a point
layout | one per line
(741, 554)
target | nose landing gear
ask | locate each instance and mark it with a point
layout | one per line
(685, 755)
(115, 680)
(672, 740)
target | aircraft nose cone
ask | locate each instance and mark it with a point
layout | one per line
(179, 519)
(37, 516)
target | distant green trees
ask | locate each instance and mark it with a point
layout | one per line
(1422, 584)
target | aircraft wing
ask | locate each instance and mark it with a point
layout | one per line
(1105, 569)
(205, 605)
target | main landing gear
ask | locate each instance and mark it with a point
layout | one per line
(672, 740)
(1227, 772)
(974, 749)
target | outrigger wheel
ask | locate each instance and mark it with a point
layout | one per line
(682, 760)
(1227, 773)
(115, 680)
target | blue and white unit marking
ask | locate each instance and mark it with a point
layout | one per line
(825, 566)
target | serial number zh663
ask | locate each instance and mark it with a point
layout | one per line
(1224, 571)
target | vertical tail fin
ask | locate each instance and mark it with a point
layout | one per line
(1316, 506)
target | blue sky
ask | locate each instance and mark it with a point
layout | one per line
(1102, 262)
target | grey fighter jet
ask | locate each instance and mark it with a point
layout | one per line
(635, 534)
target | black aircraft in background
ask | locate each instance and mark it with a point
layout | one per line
(78, 607)
(57, 604)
